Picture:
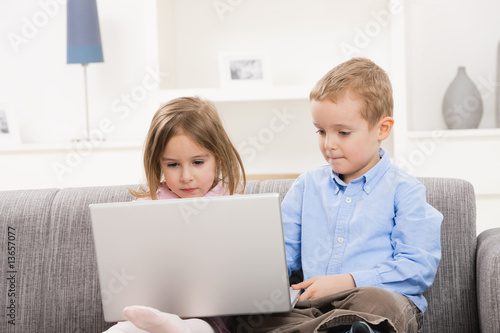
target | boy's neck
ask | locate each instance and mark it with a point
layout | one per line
(343, 178)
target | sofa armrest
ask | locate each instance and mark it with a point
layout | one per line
(488, 280)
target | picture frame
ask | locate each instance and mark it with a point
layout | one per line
(239, 69)
(9, 132)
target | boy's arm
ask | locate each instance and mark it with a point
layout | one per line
(320, 286)
(291, 209)
(292, 226)
(416, 242)
(417, 251)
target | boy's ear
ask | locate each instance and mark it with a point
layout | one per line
(385, 126)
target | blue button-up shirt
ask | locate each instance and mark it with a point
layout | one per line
(379, 228)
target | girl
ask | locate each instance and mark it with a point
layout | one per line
(187, 154)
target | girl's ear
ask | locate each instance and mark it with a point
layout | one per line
(385, 127)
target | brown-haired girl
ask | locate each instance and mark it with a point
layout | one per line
(187, 154)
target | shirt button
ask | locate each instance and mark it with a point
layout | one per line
(348, 200)
(340, 239)
(367, 187)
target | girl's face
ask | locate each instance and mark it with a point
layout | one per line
(189, 169)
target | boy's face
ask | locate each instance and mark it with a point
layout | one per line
(345, 139)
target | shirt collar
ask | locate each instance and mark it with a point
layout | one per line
(370, 178)
(217, 190)
(373, 176)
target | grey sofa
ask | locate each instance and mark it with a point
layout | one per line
(50, 284)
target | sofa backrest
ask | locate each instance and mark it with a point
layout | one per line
(55, 286)
(25, 225)
(452, 297)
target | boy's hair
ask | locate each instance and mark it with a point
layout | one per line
(199, 120)
(363, 79)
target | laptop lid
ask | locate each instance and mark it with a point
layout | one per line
(196, 257)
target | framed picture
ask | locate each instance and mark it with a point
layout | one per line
(9, 133)
(243, 69)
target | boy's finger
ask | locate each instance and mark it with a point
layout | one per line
(303, 284)
(300, 285)
(305, 295)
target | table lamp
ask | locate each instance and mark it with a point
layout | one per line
(84, 41)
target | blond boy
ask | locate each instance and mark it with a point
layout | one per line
(359, 228)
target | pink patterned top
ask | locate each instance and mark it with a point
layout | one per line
(165, 193)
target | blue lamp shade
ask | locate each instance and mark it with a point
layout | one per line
(84, 35)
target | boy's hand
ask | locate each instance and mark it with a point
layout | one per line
(320, 286)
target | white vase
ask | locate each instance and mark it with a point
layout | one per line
(462, 103)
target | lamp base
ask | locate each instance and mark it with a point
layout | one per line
(91, 140)
(94, 137)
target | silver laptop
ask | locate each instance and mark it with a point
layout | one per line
(197, 257)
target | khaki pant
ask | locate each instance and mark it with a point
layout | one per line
(386, 311)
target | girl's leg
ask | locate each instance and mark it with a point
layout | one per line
(154, 321)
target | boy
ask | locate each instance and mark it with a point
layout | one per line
(359, 228)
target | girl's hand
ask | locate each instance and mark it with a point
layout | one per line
(320, 286)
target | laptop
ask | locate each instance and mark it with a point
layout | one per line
(196, 257)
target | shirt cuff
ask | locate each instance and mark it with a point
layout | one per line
(368, 278)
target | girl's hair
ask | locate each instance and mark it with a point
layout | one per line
(199, 120)
(363, 79)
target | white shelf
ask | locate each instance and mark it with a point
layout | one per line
(55, 147)
(479, 133)
(240, 94)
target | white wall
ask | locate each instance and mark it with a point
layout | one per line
(303, 39)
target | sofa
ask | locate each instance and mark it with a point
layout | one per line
(50, 282)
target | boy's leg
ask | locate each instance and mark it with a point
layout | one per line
(385, 311)
(400, 311)
(299, 320)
